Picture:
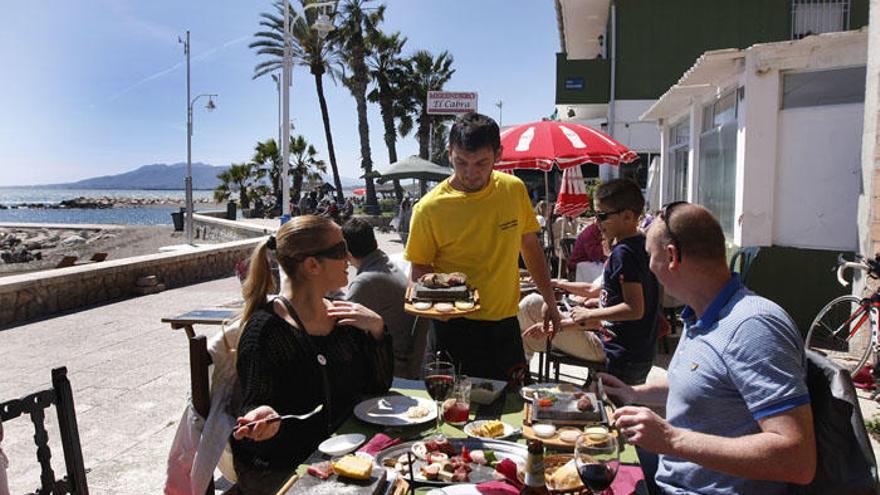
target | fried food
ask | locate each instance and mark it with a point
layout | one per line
(354, 467)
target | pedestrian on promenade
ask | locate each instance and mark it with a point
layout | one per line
(738, 416)
(478, 222)
(300, 350)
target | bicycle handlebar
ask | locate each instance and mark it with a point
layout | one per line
(849, 264)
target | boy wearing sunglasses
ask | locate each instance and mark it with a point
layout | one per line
(628, 300)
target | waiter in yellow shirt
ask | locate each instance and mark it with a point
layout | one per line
(477, 222)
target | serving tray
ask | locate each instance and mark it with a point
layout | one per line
(433, 313)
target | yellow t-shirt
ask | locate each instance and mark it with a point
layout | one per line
(478, 234)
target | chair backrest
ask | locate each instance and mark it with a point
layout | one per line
(566, 245)
(846, 463)
(35, 405)
(745, 256)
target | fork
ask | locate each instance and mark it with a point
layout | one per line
(275, 419)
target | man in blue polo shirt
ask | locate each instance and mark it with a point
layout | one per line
(738, 411)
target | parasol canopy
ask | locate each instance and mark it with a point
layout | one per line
(414, 167)
(573, 199)
(540, 145)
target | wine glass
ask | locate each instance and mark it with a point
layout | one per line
(597, 457)
(439, 381)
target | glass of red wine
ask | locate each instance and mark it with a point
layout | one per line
(597, 457)
(439, 381)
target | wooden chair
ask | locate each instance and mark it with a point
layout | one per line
(66, 261)
(34, 405)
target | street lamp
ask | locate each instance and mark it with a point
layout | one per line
(210, 106)
(323, 24)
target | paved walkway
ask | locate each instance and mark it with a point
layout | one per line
(130, 379)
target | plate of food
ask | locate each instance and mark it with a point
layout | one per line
(452, 461)
(537, 390)
(396, 410)
(567, 408)
(489, 429)
(350, 474)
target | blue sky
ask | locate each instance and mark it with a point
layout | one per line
(98, 87)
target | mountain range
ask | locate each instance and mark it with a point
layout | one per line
(163, 176)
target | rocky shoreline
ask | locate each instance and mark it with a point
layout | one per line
(105, 202)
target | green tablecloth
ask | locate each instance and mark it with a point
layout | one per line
(511, 413)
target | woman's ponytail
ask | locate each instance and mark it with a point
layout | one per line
(259, 282)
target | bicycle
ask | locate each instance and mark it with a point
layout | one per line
(839, 331)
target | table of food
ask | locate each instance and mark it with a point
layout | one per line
(389, 447)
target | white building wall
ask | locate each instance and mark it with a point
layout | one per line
(817, 184)
(641, 137)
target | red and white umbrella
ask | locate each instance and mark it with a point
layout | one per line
(573, 199)
(540, 145)
(360, 191)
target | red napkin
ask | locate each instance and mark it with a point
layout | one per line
(378, 443)
(497, 488)
(626, 480)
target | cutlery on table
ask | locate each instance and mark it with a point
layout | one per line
(275, 419)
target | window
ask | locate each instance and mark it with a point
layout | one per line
(718, 159)
(824, 87)
(818, 16)
(679, 146)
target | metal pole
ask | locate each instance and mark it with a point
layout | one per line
(605, 171)
(189, 131)
(285, 109)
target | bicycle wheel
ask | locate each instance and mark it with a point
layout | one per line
(842, 332)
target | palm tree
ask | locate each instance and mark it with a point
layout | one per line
(309, 50)
(428, 74)
(237, 177)
(267, 161)
(304, 164)
(388, 70)
(351, 42)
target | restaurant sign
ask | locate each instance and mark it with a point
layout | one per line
(448, 103)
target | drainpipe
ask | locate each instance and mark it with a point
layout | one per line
(607, 172)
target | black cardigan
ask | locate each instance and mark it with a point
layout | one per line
(278, 367)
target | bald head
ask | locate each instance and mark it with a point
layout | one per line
(693, 230)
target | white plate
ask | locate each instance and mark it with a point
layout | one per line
(567, 388)
(390, 410)
(470, 427)
(341, 444)
(459, 489)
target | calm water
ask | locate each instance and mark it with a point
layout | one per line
(10, 196)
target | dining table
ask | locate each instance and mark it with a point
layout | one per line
(508, 407)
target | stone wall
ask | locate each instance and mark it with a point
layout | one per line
(32, 295)
(207, 228)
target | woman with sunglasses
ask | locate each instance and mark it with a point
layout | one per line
(300, 350)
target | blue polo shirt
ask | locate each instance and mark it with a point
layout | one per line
(742, 361)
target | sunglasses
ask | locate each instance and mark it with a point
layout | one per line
(603, 215)
(338, 251)
(666, 215)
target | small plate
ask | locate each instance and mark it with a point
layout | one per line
(461, 489)
(341, 444)
(471, 427)
(390, 410)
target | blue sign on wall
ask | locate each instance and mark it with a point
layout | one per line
(574, 83)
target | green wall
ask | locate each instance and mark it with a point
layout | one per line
(595, 73)
(802, 281)
(659, 40)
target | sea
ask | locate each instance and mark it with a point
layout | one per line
(152, 215)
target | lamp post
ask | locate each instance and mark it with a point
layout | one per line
(323, 25)
(189, 128)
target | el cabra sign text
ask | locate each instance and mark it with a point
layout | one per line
(449, 103)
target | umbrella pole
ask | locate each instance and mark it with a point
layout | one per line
(548, 221)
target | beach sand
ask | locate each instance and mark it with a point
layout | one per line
(122, 241)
